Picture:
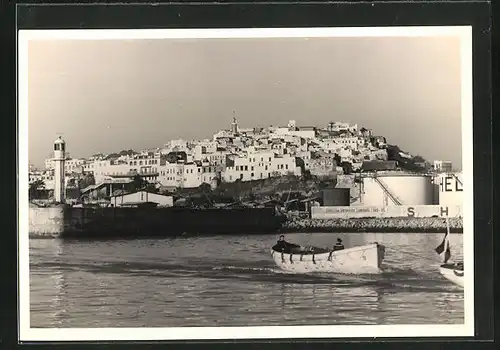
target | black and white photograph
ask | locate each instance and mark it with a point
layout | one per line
(246, 183)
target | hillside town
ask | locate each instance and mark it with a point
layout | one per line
(236, 155)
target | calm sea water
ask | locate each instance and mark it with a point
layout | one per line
(232, 281)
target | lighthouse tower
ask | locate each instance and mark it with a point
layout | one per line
(59, 159)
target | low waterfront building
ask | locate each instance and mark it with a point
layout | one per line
(141, 197)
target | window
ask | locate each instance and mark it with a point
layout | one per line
(241, 176)
(286, 166)
(251, 174)
(252, 169)
(237, 168)
(246, 167)
(261, 159)
(265, 167)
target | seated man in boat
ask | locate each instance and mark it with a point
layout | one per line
(338, 245)
(284, 246)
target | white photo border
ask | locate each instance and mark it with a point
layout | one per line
(26, 333)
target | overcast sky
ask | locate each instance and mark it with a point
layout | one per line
(109, 95)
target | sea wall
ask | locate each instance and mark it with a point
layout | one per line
(421, 225)
(399, 211)
(46, 221)
(118, 222)
(60, 221)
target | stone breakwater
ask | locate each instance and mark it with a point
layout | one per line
(424, 225)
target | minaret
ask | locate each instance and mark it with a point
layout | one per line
(234, 125)
(59, 159)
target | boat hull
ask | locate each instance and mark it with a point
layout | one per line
(366, 259)
(453, 274)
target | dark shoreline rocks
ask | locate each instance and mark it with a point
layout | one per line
(390, 225)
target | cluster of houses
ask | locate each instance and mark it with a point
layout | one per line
(235, 154)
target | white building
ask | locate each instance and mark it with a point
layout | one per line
(203, 148)
(259, 165)
(144, 164)
(346, 154)
(142, 197)
(70, 164)
(223, 134)
(187, 175)
(341, 126)
(307, 133)
(35, 175)
(330, 146)
(180, 145)
(351, 142)
(218, 158)
(444, 166)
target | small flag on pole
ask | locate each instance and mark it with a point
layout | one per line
(444, 247)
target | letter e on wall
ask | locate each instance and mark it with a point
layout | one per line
(447, 184)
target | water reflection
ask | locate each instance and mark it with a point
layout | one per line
(48, 287)
(232, 281)
(330, 304)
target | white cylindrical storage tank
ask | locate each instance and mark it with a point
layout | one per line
(450, 189)
(391, 189)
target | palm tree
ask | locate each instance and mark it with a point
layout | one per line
(138, 184)
(35, 186)
(86, 181)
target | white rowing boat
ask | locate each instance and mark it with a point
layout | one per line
(452, 272)
(357, 260)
